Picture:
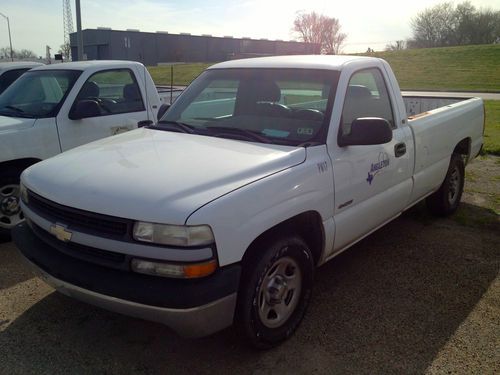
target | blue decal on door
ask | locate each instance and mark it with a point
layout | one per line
(383, 162)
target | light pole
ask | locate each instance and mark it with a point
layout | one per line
(79, 36)
(10, 40)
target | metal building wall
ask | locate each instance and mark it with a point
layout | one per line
(154, 48)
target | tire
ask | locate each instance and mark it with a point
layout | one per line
(275, 292)
(10, 211)
(446, 200)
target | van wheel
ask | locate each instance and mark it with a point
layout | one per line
(445, 201)
(10, 208)
(275, 292)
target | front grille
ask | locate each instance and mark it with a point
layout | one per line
(86, 253)
(89, 222)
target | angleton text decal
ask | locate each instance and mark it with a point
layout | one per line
(383, 162)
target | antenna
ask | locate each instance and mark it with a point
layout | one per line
(68, 26)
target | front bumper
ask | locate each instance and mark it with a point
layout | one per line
(192, 308)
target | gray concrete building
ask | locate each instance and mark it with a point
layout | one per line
(162, 47)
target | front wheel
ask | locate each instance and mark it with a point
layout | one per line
(10, 209)
(445, 201)
(275, 291)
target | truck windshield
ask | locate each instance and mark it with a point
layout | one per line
(37, 94)
(281, 106)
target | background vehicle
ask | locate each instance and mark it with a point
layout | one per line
(54, 108)
(262, 170)
(10, 71)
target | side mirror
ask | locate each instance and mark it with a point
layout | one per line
(84, 109)
(367, 131)
(161, 111)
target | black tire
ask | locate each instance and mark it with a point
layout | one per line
(446, 200)
(293, 257)
(8, 177)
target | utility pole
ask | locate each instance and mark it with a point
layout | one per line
(10, 40)
(79, 36)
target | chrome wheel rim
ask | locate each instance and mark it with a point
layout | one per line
(10, 209)
(454, 185)
(279, 292)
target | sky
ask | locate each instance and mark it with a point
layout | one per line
(35, 24)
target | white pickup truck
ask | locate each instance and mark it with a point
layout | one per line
(262, 170)
(53, 108)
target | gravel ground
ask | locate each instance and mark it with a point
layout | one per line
(421, 295)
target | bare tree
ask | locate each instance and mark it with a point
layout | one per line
(26, 54)
(22, 54)
(65, 50)
(398, 45)
(320, 29)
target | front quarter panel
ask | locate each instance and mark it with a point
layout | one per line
(240, 216)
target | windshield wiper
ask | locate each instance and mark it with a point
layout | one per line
(249, 134)
(185, 128)
(16, 109)
(12, 111)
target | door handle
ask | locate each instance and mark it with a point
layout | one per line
(400, 149)
(144, 123)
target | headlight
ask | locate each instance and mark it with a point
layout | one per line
(23, 192)
(175, 235)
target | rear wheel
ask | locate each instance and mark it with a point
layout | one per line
(446, 200)
(275, 292)
(10, 208)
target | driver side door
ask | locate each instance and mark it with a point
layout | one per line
(112, 104)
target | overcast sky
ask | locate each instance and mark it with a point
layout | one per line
(373, 23)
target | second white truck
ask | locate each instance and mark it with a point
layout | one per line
(53, 108)
(262, 170)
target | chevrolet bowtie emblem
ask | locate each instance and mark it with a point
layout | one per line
(61, 233)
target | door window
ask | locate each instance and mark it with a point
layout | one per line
(115, 91)
(366, 96)
(10, 76)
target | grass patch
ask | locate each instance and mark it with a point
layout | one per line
(468, 68)
(492, 131)
(183, 73)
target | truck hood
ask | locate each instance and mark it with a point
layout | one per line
(18, 123)
(155, 175)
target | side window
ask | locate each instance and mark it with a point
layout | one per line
(115, 91)
(10, 76)
(366, 96)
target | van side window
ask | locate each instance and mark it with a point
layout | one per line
(116, 91)
(366, 96)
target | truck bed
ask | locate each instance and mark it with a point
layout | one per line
(420, 105)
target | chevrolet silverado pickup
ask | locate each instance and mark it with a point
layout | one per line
(261, 170)
(53, 108)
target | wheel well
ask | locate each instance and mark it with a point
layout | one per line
(307, 225)
(21, 164)
(463, 148)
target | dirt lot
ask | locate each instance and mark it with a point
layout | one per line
(419, 295)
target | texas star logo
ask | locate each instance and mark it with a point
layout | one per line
(383, 162)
